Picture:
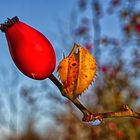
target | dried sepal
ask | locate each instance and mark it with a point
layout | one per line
(77, 71)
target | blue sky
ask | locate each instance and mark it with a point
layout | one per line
(49, 17)
(44, 15)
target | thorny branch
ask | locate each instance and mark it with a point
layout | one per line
(87, 115)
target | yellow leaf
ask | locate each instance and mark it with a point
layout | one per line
(77, 71)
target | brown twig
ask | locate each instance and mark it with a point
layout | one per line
(125, 112)
(88, 116)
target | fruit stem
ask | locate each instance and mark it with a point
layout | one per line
(56, 82)
(76, 102)
(4, 26)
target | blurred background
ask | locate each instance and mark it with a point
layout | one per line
(110, 30)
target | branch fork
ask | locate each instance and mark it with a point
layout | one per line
(87, 115)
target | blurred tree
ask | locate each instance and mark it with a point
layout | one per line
(117, 57)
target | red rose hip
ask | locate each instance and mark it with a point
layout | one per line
(31, 51)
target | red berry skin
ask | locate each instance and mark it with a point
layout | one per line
(31, 51)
